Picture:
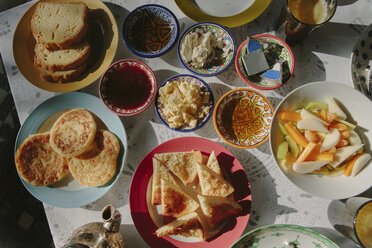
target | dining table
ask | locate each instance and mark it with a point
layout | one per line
(325, 55)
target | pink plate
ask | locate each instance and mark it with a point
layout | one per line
(137, 195)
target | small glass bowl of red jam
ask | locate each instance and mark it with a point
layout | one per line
(128, 87)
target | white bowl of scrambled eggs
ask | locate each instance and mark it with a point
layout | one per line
(206, 49)
(184, 103)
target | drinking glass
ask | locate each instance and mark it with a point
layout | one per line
(353, 218)
(301, 17)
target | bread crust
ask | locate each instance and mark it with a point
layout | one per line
(37, 162)
(45, 32)
(61, 60)
(60, 76)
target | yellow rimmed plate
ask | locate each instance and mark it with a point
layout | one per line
(103, 27)
(225, 12)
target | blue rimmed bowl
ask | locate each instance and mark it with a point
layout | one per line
(224, 56)
(150, 30)
(177, 106)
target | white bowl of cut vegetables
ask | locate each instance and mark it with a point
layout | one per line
(321, 139)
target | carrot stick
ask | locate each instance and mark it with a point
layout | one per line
(287, 115)
(305, 153)
(324, 156)
(295, 134)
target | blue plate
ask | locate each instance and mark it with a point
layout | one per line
(69, 193)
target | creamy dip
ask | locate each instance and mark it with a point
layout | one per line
(201, 49)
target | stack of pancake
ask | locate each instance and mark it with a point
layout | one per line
(73, 145)
(62, 48)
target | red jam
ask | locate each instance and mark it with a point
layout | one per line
(128, 87)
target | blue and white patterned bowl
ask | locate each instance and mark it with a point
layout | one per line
(204, 88)
(150, 30)
(360, 57)
(220, 64)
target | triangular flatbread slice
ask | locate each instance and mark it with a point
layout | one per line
(211, 183)
(175, 202)
(187, 226)
(204, 159)
(159, 171)
(213, 164)
(217, 208)
(181, 164)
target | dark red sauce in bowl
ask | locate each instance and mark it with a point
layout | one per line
(128, 87)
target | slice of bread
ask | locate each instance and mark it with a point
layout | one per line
(175, 202)
(159, 172)
(211, 183)
(61, 60)
(217, 208)
(59, 25)
(60, 76)
(187, 226)
(181, 164)
(213, 164)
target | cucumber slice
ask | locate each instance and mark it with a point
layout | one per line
(282, 129)
(310, 106)
(282, 150)
(292, 146)
(351, 125)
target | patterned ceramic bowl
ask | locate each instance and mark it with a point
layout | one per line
(202, 98)
(128, 87)
(284, 235)
(281, 52)
(360, 57)
(224, 53)
(150, 30)
(242, 118)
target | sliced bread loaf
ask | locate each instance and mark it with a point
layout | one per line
(61, 60)
(60, 76)
(59, 25)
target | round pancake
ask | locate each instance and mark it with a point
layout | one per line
(73, 132)
(38, 163)
(96, 166)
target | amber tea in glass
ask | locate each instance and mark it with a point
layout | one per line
(301, 17)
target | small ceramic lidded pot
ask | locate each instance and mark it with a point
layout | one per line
(99, 234)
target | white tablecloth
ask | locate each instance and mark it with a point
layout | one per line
(324, 56)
